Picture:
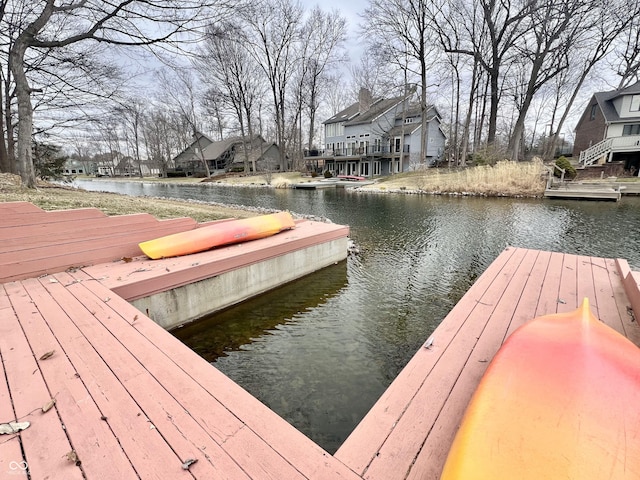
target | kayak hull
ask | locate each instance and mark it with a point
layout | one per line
(224, 233)
(560, 400)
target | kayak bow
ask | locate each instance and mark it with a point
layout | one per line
(560, 400)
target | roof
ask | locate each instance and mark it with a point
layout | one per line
(216, 149)
(413, 111)
(605, 102)
(352, 116)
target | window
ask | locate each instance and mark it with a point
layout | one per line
(409, 120)
(633, 129)
(635, 103)
(334, 129)
(593, 111)
(376, 167)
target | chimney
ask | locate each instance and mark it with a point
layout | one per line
(365, 99)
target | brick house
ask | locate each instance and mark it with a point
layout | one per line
(609, 129)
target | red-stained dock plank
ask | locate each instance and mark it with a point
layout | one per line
(134, 402)
(408, 431)
(142, 278)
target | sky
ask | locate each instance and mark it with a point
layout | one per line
(349, 9)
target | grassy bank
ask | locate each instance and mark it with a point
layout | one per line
(50, 197)
(506, 178)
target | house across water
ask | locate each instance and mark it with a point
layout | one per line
(379, 136)
(608, 132)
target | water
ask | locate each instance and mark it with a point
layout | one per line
(321, 350)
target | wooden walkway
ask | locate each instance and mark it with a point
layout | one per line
(134, 402)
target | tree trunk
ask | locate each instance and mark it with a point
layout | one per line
(12, 166)
(467, 120)
(5, 165)
(24, 154)
(493, 106)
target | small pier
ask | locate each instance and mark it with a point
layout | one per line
(584, 191)
(131, 401)
(317, 185)
(333, 183)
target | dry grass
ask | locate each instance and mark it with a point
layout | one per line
(278, 180)
(50, 197)
(503, 179)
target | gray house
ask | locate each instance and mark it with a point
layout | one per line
(379, 137)
(227, 155)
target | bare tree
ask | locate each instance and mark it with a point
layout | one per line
(274, 29)
(555, 27)
(323, 36)
(161, 138)
(336, 97)
(612, 18)
(49, 26)
(226, 63)
(131, 116)
(487, 31)
(376, 75)
(180, 92)
(627, 54)
(402, 30)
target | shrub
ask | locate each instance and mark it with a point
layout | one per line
(570, 171)
(327, 174)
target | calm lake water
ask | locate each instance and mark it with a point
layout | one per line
(321, 350)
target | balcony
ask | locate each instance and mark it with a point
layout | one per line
(370, 151)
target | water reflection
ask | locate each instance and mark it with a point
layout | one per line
(322, 350)
(233, 329)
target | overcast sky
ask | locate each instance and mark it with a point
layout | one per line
(349, 9)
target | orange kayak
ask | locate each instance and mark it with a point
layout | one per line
(224, 233)
(560, 400)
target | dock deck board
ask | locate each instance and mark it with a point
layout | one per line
(133, 402)
(408, 431)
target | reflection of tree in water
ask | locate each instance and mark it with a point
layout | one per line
(222, 332)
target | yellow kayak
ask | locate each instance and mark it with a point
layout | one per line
(560, 400)
(224, 233)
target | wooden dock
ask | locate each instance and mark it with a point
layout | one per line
(583, 191)
(131, 401)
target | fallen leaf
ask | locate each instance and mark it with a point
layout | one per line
(187, 463)
(47, 355)
(13, 427)
(49, 405)
(135, 318)
(107, 299)
(127, 259)
(53, 280)
(72, 456)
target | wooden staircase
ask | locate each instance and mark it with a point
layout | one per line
(605, 149)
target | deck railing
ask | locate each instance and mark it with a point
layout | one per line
(371, 150)
(627, 143)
